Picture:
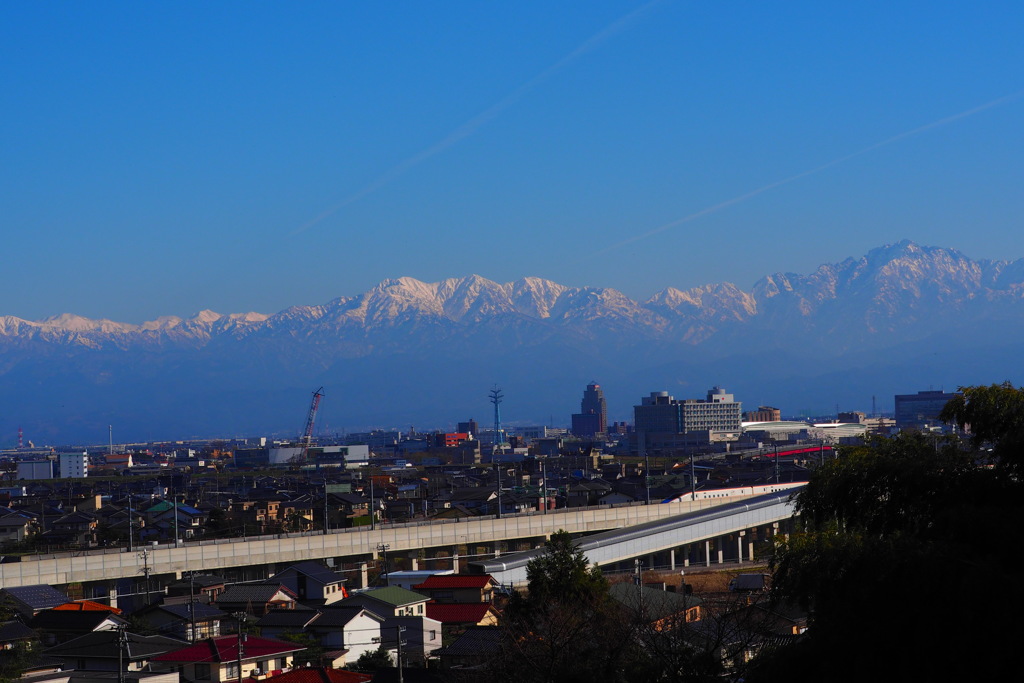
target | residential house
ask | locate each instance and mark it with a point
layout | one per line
(14, 634)
(320, 674)
(190, 521)
(256, 598)
(476, 646)
(76, 529)
(345, 633)
(458, 588)
(102, 651)
(477, 499)
(408, 578)
(15, 528)
(216, 660)
(390, 602)
(203, 587)
(30, 600)
(661, 608)
(186, 620)
(421, 636)
(59, 625)
(313, 583)
(457, 617)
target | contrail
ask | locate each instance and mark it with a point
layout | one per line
(472, 125)
(817, 169)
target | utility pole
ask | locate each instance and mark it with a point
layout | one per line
(647, 476)
(327, 522)
(241, 638)
(693, 480)
(497, 469)
(383, 548)
(544, 483)
(144, 554)
(131, 524)
(122, 644)
(401, 630)
(373, 514)
(192, 603)
(638, 578)
(174, 504)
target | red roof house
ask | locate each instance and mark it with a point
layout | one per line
(477, 588)
(215, 660)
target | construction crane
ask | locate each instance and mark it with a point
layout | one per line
(307, 436)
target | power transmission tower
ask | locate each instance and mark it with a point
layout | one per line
(496, 396)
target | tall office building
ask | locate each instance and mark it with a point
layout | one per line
(914, 411)
(661, 413)
(593, 416)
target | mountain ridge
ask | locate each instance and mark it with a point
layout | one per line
(405, 335)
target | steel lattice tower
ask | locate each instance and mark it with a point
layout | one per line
(496, 397)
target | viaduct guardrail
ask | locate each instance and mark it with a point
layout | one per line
(349, 544)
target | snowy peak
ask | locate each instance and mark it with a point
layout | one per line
(892, 287)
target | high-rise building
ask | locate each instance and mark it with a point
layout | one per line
(763, 414)
(661, 413)
(593, 416)
(73, 465)
(470, 427)
(914, 411)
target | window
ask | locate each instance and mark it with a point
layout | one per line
(421, 609)
(202, 672)
(231, 670)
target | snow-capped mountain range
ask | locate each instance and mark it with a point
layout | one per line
(409, 351)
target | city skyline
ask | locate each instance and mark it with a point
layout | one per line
(238, 157)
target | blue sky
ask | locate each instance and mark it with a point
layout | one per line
(162, 158)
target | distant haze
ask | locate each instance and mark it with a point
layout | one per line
(899, 319)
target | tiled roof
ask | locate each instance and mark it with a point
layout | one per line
(479, 641)
(458, 613)
(202, 611)
(392, 595)
(103, 644)
(15, 630)
(86, 606)
(256, 593)
(313, 570)
(338, 616)
(39, 596)
(201, 581)
(456, 581)
(321, 675)
(288, 618)
(225, 649)
(82, 622)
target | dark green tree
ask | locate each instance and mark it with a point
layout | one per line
(375, 659)
(564, 628)
(904, 555)
(994, 415)
(564, 574)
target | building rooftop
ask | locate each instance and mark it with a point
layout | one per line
(225, 649)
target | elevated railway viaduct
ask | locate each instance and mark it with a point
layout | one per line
(101, 574)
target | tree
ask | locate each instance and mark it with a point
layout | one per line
(564, 574)
(995, 415)
(313, 653)
(564, 628)
(904, 558)
(375, 659)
